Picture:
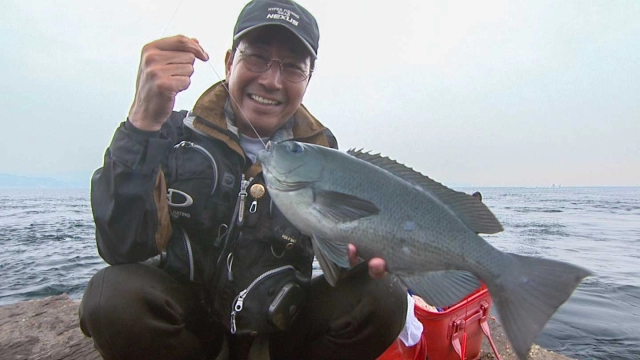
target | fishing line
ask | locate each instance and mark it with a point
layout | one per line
(171, 19)
(219, 78)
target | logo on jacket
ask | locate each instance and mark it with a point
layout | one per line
(177, 198)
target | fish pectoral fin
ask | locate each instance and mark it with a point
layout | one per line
(441, 288)
(340, 207)
(331, 257)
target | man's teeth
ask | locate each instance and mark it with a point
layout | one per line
(263, 100)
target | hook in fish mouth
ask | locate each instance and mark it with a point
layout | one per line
(264, 156)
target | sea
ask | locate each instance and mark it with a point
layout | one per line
(48, 248)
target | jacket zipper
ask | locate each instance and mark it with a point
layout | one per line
(187, 243)
(242, 195)
(238, 303)
(189, 144)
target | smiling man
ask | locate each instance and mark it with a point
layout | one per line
(203, 265)
(268, 73)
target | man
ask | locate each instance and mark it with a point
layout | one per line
(203, 265)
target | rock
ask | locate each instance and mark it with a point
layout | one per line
(48, 329)
(43, 329)
(504, 348)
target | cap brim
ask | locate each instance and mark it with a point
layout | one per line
(308, 46)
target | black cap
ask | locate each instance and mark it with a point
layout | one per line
(279, 12)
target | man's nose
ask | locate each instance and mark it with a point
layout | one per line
(272, 78)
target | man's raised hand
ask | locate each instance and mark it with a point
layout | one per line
(166, 66)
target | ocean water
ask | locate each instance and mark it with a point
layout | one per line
(48, 248)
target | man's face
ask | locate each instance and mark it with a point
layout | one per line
(266, 100)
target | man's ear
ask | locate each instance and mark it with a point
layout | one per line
(307, 85)
(228, 63)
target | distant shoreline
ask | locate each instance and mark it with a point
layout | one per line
(44, 188)
(79, 180)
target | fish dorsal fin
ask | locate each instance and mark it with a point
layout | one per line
(341, 207)
(472, 212)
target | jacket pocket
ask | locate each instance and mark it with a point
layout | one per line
(270, 303)
(202, 187)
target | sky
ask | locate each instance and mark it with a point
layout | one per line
(491, 93)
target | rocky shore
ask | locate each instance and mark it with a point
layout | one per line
(48, 329)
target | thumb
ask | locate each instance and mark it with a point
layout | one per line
(206, 56)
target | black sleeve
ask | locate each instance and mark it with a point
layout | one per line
(122, 199)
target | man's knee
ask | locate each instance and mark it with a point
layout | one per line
(380, 311)
(137, 311)
(99, 305)
(121, 295)
(359, 318)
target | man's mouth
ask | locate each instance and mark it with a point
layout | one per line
(264, 101)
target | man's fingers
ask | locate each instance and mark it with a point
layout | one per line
(183, 44)
(178, 57)
(377, 268)
(182, 82)
(160, 58)
(201, 48)
(352, 254)
(178, 70)
(171, 85)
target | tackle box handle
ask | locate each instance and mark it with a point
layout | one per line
(459, 326)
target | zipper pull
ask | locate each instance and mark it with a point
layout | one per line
(229, 265)
(240, 301)
(254, 206)
(184, 143)
(222, 231)
(243, 196)
(233, 322)
(237, 307)
(257, 191)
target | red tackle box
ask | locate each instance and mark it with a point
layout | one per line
(457, 329)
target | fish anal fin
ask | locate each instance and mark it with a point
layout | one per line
(442, 288)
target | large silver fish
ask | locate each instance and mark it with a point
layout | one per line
(426, 233)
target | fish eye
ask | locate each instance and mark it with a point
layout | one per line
(296, 148)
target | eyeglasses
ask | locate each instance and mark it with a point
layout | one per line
(259, 63)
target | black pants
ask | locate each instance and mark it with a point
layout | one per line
(137, 311)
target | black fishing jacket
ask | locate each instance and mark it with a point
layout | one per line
(183, 195)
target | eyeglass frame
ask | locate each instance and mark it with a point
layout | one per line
(244, 53)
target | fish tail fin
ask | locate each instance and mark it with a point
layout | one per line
(533, 291)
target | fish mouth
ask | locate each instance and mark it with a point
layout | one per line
(277, 178)
(265, 156)
(285, 186)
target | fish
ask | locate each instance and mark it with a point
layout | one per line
(427, 233)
